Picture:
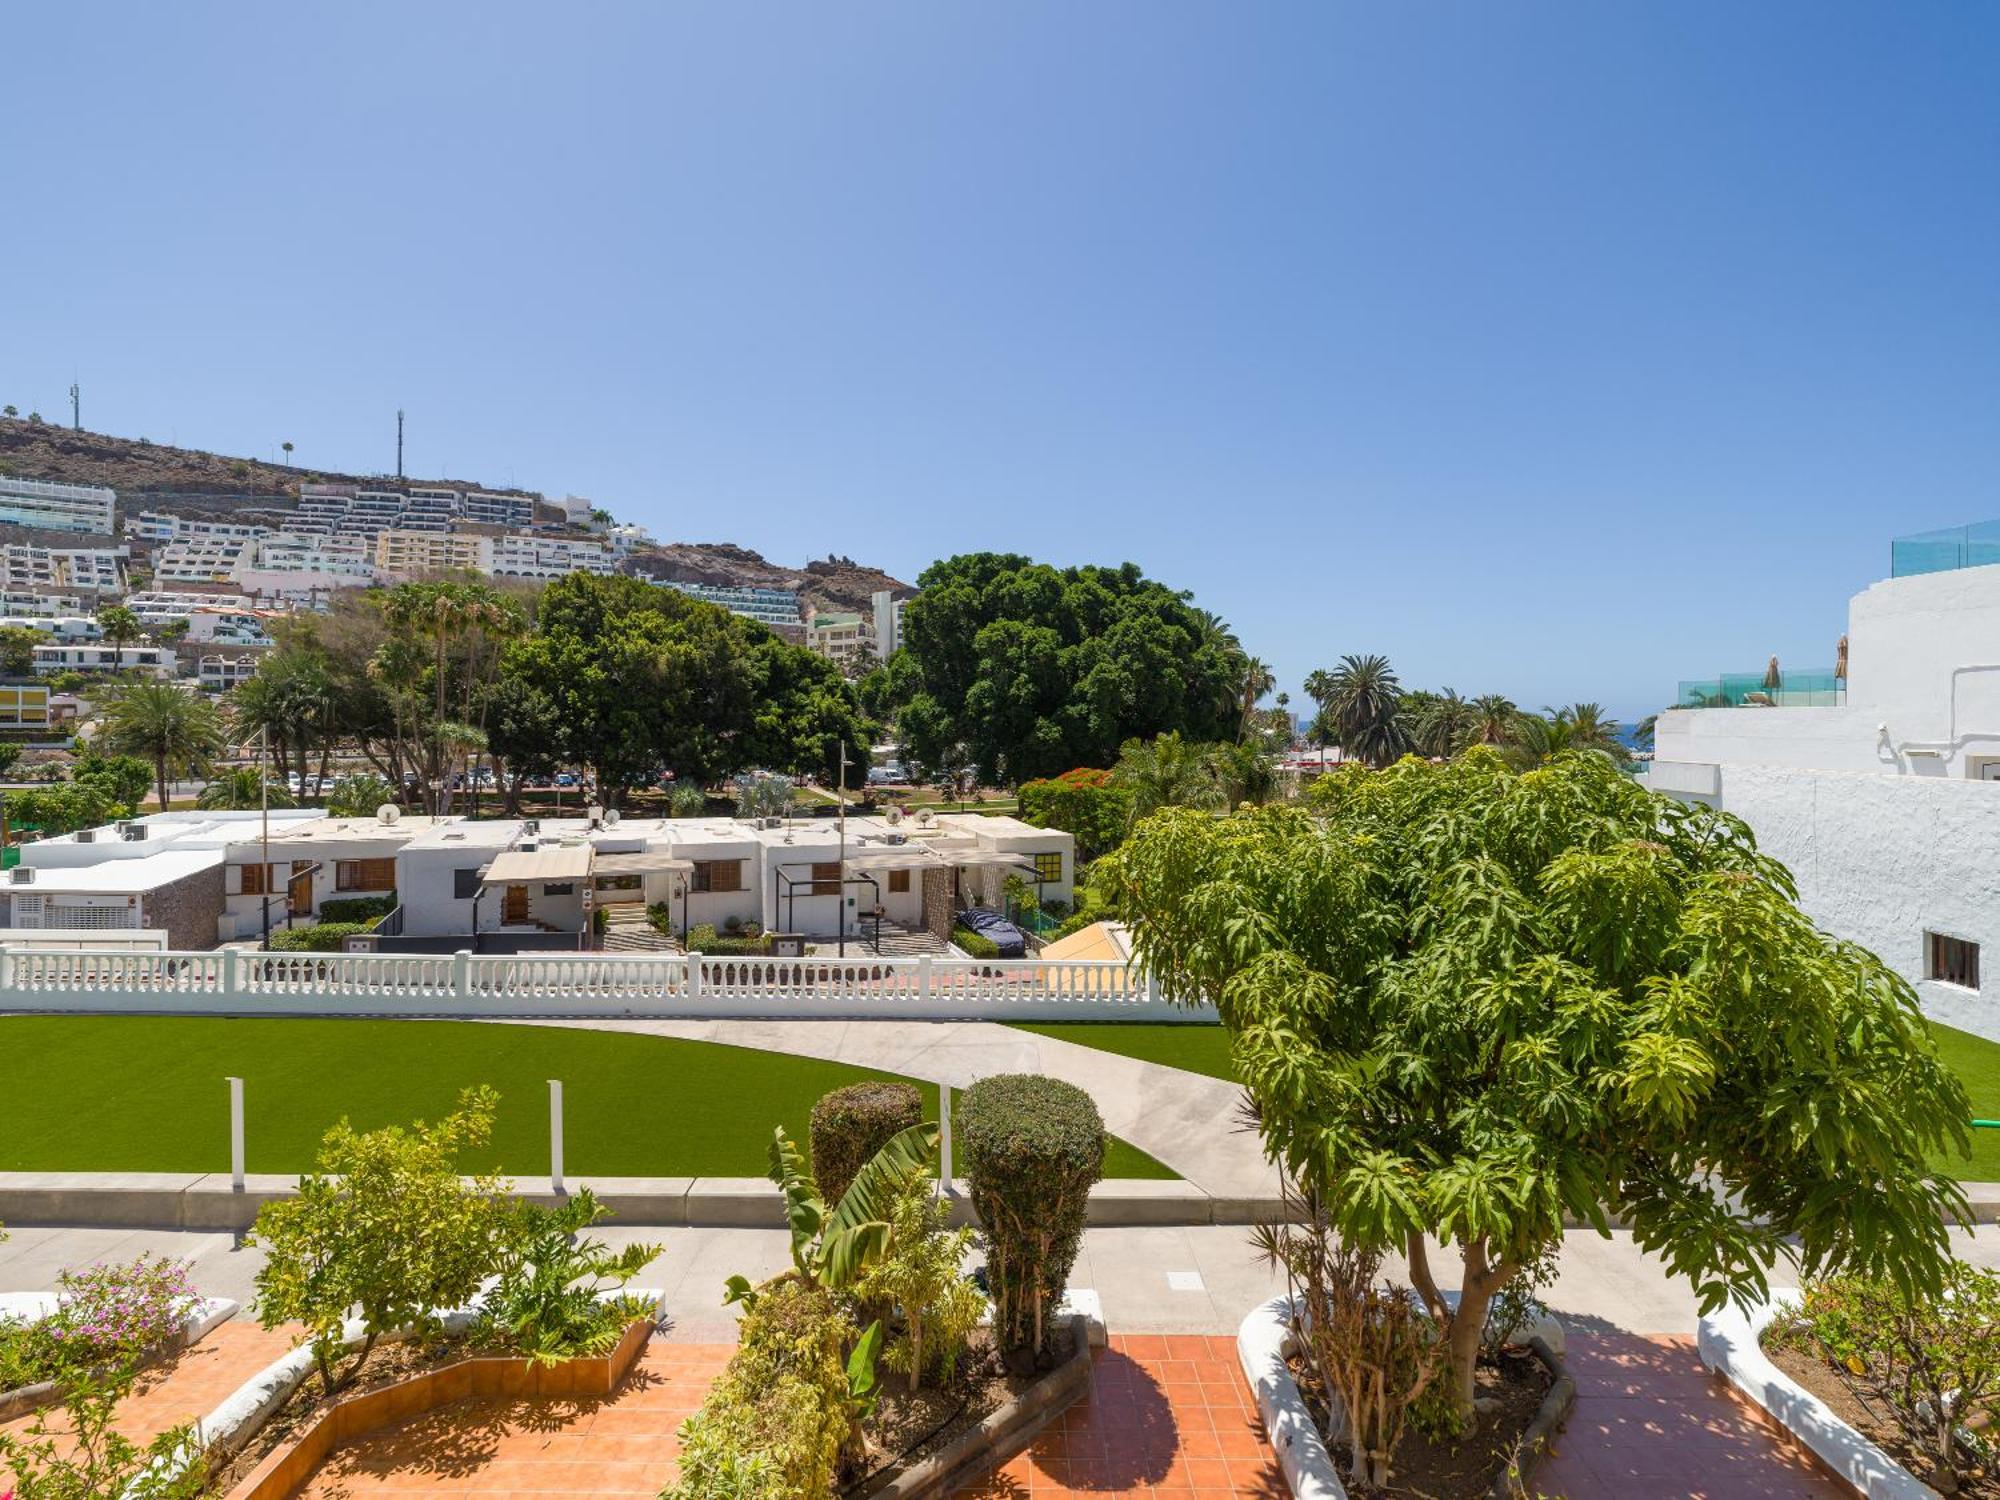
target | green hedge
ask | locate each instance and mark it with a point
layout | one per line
(850, 1125)
(325, 937)
(364, 909)
(1032, 1148)
(975, 943)
(705, 939)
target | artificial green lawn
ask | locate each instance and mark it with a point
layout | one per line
(1198, 1049)
(1977, 1063)
(1205, 1049)
(146, 1094)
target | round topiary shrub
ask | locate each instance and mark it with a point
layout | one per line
(1032, 1148)
(850, 1125)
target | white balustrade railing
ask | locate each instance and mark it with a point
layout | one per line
(240, 981)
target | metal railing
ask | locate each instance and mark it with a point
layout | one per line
(1945, 550)
(1814, 687)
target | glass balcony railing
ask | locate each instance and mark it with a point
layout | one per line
(1813, 688)
(1972, 546)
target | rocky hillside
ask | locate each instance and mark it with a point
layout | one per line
(132, 466)
(30, 450)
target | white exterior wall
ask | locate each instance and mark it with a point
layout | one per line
(1877, 806)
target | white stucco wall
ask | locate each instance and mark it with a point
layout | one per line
(1881, 860)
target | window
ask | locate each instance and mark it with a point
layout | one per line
(255, 880)
(826, 879)
(618, 882)
(717, 875)
(899, 882)
(1954, 960)
(364, 875)
(464, 884)
(558, 887)
(1048, 867)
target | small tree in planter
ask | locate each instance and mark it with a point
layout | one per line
(383, 1227)
(1467, 1002)
(1034, 1146)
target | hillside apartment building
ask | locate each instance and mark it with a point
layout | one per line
(1878, 784)
(84, 508)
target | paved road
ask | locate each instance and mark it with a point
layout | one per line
(1181, 1119)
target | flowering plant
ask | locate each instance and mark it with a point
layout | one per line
(108, 1315)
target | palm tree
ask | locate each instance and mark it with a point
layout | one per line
(1363, 702)
(179, 731)
(1496, 719)
(1243, 773)
(1319, 687)
(243, 788)
(1166, 772)
(1590, 728)
(288, 451)
(1539, 738)
(1443, 725)
(121, 628)
(1258, 679)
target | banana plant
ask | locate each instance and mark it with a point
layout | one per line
(832, 1249)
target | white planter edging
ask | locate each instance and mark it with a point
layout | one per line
(1730, 1344)
(1261, 1345)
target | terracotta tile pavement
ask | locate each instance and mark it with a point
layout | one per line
(620, 1445)
(1166, 1415)
(191, 1386)
(1651, 1422)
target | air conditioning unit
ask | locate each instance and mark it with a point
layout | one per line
(530, 827)
(135, 833)
(86, 835)
(21, 875)
(528, 846)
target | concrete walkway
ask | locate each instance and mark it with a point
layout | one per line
(1186, 1121)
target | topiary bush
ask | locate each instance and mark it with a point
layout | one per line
(1032, 1147)
(850, 1125)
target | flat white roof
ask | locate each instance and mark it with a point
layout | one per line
(118, 877)
(321, 829)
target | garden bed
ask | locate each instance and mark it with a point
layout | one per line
(201, 1315)
(925, 1442)
(1529, 1392)
(1820, 1380)
(405, 1381)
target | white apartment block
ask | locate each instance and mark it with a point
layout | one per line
(412, 554)
(1880, 790)
(135, 656)
(536, 556)
(838, 636)
(19, 603)
(778, 608)
(57, 627)
(159, 528)
(201, 559)
(157, 607)
(58, 507)
(217, 673)
(888, 615)
(499, 510)
(34, 569)
(628, 537)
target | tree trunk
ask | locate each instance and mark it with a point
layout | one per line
(160, 774)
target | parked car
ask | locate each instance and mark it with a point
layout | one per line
(1002, 933)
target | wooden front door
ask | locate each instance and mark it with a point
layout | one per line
(299, 890)
(514, 906)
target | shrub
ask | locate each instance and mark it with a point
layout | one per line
(81, 1457)
(1085, 803)
(850, 1125)
(1033, 1148)
(385, 1223)
(322, 937)
(547, 1303)
(109, 1316)
(703, 938)
(1916, 1356)
(976, 944)
(774, 1424)
(920, 1274)
(687, 800)
(359, 796)
(366, 910)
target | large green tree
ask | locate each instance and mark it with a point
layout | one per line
(1026, 670)
(174, 727)
(1468, 1001)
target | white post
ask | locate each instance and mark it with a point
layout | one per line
(555, 1137)
(694, 976)
(924, 976)
(236, 1135)
(944, 1139)
(6, 968)
(461, 973)
(232, 973)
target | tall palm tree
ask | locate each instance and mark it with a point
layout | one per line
(1443, 725)
(1166, 772)
(1258, 679)
(120, 627)
(243, 788)
(178, 730)
(1363, 702)
(1242, 773)
(1590, 728)
(1541, 737)
(1319, 687)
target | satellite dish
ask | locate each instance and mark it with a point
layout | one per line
(611, 818)
(387, 814)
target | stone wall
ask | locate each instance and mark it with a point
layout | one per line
(189, 911)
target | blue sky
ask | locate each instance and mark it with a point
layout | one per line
(1560, 350)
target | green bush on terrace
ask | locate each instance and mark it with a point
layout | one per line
(322, 937)
(977, 944)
